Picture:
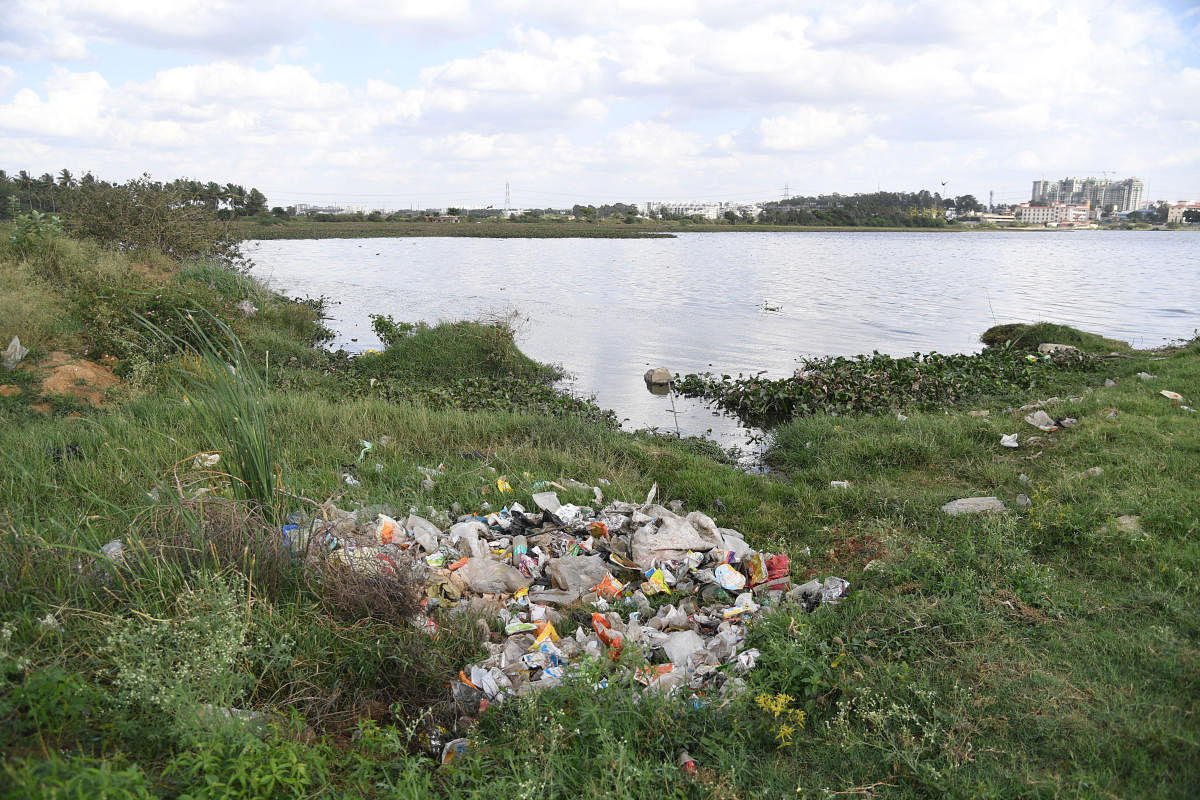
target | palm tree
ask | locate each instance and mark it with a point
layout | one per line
(66, 179)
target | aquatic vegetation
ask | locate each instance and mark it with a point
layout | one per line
(878, 383)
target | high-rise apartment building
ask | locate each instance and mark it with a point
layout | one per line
(1123, 196)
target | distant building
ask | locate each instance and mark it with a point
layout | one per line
(1060, 214)
(1124, 195)
(706, 210)
(1175, 213)
(441, 218)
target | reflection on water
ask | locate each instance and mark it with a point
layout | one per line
(609, 309)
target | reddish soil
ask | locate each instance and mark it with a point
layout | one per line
(78, 378)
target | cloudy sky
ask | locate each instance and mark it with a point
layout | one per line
(387, 103)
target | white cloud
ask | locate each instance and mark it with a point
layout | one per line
(74, 105)
(8, 77)
(659, 96)
(811, 128)
(35, 29)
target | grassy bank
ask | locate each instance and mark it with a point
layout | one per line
(1048, 651)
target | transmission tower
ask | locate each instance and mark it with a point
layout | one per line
(507, 200)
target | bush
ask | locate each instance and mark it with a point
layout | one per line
(1027, 336)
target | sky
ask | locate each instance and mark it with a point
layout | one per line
(434, 103)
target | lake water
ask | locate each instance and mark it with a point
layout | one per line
(609, 309)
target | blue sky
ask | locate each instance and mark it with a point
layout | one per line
(387, 103)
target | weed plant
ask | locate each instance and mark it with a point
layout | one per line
(223, 389)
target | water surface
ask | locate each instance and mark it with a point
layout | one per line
(609, 309)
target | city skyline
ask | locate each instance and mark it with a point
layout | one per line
(406, 104)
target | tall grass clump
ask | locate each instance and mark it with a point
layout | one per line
(228, 397)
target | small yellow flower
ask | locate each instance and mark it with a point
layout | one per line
(784, 735)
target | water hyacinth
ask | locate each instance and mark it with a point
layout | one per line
(876, 383)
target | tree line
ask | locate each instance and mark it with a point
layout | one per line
(873, 209)
(63, 193)
(183, 218)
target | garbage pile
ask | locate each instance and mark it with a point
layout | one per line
(605, 573)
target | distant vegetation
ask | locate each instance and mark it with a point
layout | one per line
(183, 219)
(877, 209)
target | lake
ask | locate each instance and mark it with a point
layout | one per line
(609, 309)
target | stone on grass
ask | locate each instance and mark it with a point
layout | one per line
(973, 505)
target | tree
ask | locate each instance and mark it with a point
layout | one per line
(1192, 216)
(256, 203)
(967, 204)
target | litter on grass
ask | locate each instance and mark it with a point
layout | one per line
(594, 572)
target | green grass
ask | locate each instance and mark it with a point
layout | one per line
(1027, 336)
(1043, 652)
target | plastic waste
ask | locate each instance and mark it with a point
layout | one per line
(113, 550)
(681, 645)
(670, 540)
(576, 573)
(485, 575)
(14, 353)
(1009, 440)
(206, 461)
(729, 578)
(1042, 421)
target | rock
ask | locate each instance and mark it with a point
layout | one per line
(1023, 501)
(982, 413)
(1146, 376)
(973, 505)
(1129, 523)
(1048, 347)
(14, 353)
(659, 376)
(1109, 382)
(1092, 473)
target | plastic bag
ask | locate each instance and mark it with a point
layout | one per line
(489, 576)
